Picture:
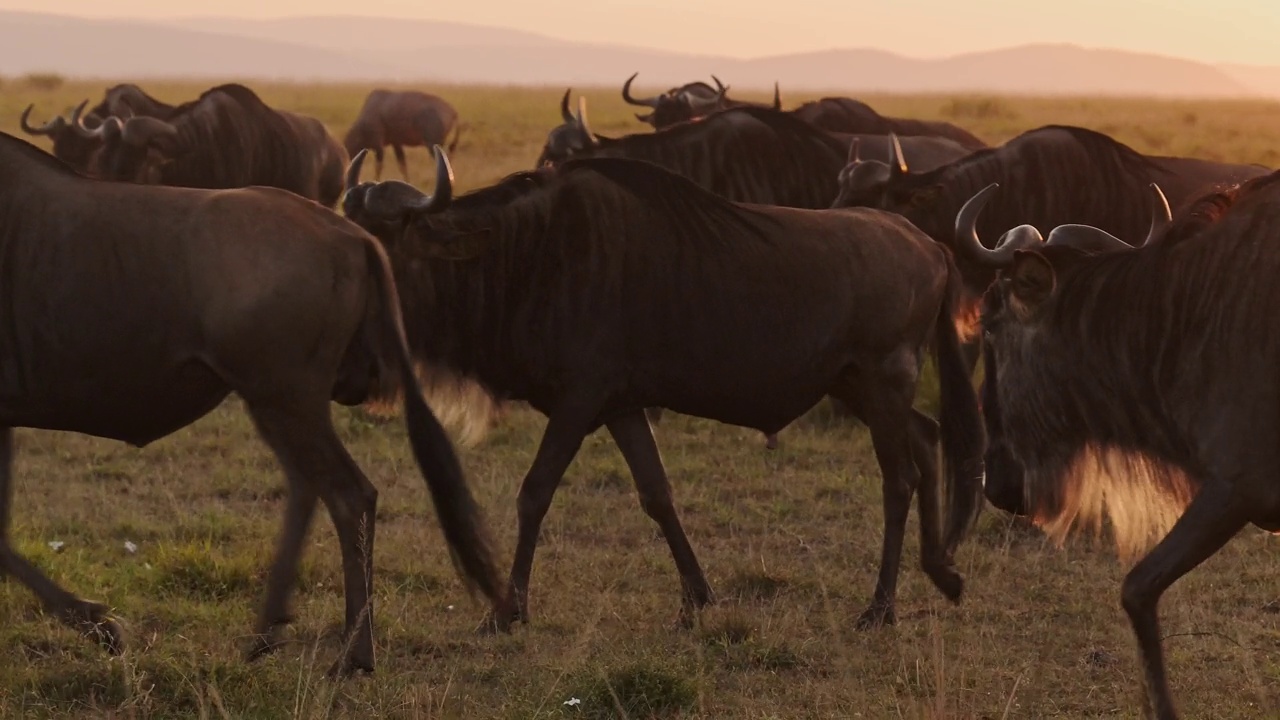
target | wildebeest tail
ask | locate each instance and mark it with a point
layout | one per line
(963, 436)
(464, 530)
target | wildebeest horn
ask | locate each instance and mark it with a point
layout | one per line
(626, 95)
(720, 87)
(969, 245)
(443, 195)
(1161, 217)
(78, 123)
(777, 96)
(897, 163)
(582, 118)
(564, 106)
(854, 148)
(142, 130)
(49, 128)
(352, 177)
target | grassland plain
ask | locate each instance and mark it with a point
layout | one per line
(790, 539)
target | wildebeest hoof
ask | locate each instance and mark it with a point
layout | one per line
(347, 666)
(771, 442)
(94, 621)
(948, 580)
(876, 616)
(264, 644)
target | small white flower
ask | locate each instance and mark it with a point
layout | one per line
(449, 608)
(571, 702)
(130, 547)
(56, 545)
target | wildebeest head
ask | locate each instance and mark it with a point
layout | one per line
(132, 150)
(889, 186)
(570, 139)
(69, 146)
(680, 104)
(1017, 303)
(387, 210)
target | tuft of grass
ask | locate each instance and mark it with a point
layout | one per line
(638, 690)
(42, 81)
(202, 573)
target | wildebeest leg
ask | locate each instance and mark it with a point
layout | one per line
(404, 166)
(560, 442)
(89, 618)
(1212, 518)
(635, 439)
(883, 401)
(299, 510)
(933, 557)
(317, 465)
(377, 163)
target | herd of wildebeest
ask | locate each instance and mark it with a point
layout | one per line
(738, 263)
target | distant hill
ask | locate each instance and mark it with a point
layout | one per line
(372, 49)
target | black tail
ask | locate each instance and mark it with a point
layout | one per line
(469, 543)
(963, 436)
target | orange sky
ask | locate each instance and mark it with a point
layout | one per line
(1245, 31)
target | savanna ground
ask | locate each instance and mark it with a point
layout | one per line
(790, 539)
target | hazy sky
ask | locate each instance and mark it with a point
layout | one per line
(1245, 31)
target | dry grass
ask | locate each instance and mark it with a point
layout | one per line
(790, 540)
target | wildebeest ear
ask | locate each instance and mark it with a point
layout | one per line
(1032, 282)
(459, 246)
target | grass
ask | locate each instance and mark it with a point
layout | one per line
(790, 540)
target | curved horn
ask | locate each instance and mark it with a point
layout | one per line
(1160, 215)
(78, 123)
(49, 128)
(777, 97)
(651, 102)
(854, 148)
(142, 130)
(581, 120)
(721, 88)
(897, 163)
(969, 245)
(443, 195)
(564, 106)
(703, 104)
(352, 178)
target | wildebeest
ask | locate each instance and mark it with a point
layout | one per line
(926, 153)
(604, 286)
(688, 102)
(73, 147)
(846, 115)
(1062, 174)
(130, 311)
(746, 154)
(406, 118)
(1162, 417)
(226, 138)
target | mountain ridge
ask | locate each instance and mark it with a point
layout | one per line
(358, 48)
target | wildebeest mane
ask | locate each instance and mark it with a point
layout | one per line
(1121, 393)
(795, 165)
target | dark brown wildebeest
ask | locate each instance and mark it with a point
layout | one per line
(401, 119)
(1062, 174)
(1162, 418)
(73, 147)
(926, 152)
(226, 138)
(689, 102)
(846, 115)
(602, 287)
(746, 154)
(129, 312)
